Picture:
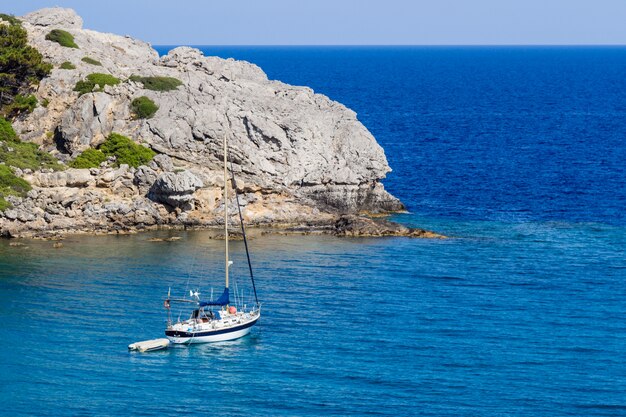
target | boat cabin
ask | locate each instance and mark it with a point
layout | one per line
(199, 315)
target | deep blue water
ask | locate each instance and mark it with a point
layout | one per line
(516, 152)
(528, 133)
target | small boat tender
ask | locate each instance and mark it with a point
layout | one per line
(149, 345)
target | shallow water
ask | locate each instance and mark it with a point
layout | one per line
(521, 312)
(524, 317)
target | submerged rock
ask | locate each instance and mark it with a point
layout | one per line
(364, 226)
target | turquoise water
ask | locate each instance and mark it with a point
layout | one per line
(521, 312)
(508, 319)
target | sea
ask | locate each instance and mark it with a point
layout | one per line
(518, 154)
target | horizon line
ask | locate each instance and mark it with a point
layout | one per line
(584, 45)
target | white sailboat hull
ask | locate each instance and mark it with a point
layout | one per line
(208, 339)
(178, 334)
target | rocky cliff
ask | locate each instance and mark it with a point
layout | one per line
(299, 157)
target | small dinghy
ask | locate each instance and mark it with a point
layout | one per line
(149, 345)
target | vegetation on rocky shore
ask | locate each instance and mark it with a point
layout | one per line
(91, 61)
(143, 108)
(67, 65)
(90, 158)
(23, 155)
(157, 83)
(126, 151)
(12, 20)
(21, 67)
(62, 37)
(100, 80)
(21, 104)
(122, 148)
(10, 184)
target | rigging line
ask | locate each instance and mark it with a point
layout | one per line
(243, 230)
(193, 265)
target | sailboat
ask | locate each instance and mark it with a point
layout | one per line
(219, 319)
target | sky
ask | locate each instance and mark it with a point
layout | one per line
(350, 22)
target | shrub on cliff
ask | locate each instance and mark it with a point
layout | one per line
(62, 37)
(7, 134)
(96, 79)
(16, 153)
(126, 151)
(4, 204)
(12, 20)
(67, 65)
(91, 158)
(20, 64)
(122, 148)
(143, 108)
(91, 61)
(11, 184)
(21, 104)
(157, 83)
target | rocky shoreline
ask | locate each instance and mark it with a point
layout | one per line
(344, 226)
(303, 163)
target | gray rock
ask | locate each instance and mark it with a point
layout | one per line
(108, 176)
(78, 177)
(175, 189)
(297, 155)
(145, 177)
(162, 162)
(358, 226)
(56, 17)
(68, 178)
(281, 137)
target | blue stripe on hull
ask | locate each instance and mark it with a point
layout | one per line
(176, 333)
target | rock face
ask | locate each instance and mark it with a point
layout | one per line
(175, 189)
(298, 156)
(56, 17)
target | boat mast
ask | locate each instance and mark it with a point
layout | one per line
(226, 204)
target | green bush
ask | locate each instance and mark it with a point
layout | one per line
(87, 85)
(143, 108)
(16, 153)
(91, 61)
(10, 184)
(7, 134)
(4, 204)
(62, 37)
(12, 20)
(91, 158)
(45, 102)
(126, 151)
(157, 83)
(21, 104)
(20, 64)
(27, 155)
(67, 65)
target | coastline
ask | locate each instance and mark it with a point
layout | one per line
(344, 226)
(303, 163)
